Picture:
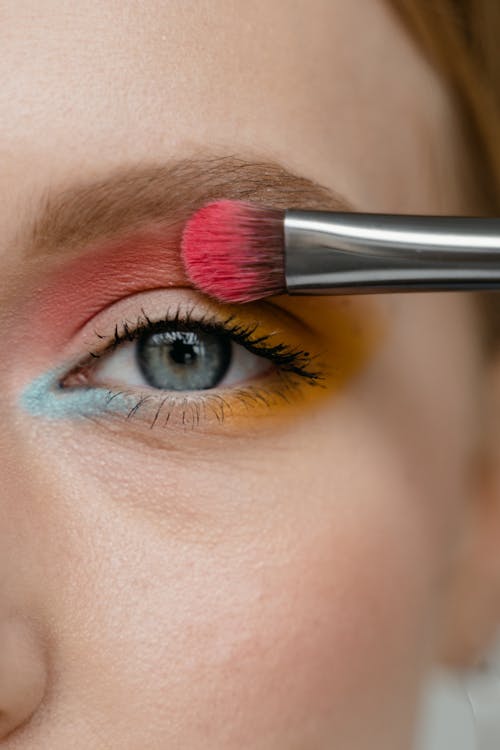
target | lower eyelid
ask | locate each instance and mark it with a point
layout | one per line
(45, 397)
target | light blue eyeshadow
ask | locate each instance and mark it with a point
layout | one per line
(44, 397)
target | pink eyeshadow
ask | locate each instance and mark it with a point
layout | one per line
(104, 274)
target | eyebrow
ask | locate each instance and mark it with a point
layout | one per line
(133, 196)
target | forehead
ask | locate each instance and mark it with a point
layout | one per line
(312, 84)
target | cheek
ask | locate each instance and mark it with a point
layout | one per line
(229, 602)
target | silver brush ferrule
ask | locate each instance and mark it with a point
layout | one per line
(349, 253)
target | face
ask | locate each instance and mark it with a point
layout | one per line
(222, 526)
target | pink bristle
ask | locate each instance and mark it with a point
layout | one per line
(233, 250)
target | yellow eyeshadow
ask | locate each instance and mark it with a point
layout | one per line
(340, 334)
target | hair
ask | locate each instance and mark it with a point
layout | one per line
(461, 40)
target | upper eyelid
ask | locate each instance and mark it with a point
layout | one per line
(265, 305)
(130, 330)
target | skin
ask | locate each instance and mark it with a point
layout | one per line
(289, 583)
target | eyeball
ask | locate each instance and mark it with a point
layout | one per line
(180, 360)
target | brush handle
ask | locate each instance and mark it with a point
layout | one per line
(349, 253)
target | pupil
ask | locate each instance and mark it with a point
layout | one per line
(182, 353)
(183, 360)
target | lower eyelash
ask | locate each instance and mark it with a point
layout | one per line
(190, 411)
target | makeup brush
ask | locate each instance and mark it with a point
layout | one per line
(238, 251)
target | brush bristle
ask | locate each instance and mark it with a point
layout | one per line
(233, 250)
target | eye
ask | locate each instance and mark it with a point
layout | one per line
(180, 358)
(183, 368)
(170, 358)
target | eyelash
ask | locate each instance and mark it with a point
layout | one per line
(292, 363)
